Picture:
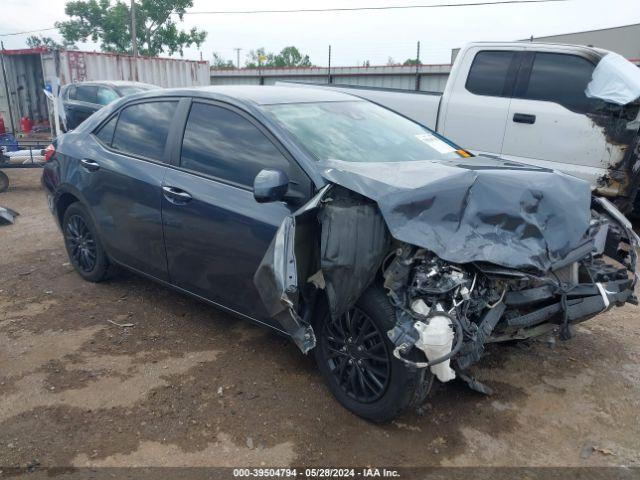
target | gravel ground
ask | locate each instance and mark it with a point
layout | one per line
(190, 386)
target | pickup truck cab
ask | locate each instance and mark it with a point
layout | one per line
(527, 102)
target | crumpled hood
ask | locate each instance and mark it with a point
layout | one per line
(480, 209)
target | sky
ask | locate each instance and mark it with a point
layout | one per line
(355, 37)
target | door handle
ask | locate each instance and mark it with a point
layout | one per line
(524, 118)
(90, 165)
(176, 195)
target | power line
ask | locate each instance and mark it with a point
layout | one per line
(353, 9)
(28, 31)
(339, 9)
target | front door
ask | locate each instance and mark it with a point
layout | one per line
(550, 118)
(122, 177)
(215, 232)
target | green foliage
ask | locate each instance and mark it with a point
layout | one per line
(35, 41)
(220, 62)
(411, 61)
(110, 23)
(288, 57)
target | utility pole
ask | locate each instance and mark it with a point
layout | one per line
(237, 57)
(134, 40)
(329, 68)
(418, 67)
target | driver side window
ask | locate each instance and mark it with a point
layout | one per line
(222, 144)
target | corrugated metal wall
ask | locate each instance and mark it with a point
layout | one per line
(29, 70)
(165, 72)
(432, 78)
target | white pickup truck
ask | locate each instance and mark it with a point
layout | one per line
(565, 107)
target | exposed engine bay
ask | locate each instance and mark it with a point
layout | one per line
(449, 311)
(550, 257)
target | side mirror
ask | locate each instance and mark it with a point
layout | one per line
(270, 185)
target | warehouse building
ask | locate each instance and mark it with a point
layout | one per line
(624, 40)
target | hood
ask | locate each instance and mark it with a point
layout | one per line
(480, 209)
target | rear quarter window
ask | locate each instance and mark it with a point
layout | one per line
(105, 132)
(489, 73)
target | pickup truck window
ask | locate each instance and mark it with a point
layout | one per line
(562, 79)
(489, 73)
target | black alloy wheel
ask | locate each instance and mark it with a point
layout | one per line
(357, 355)
(81, 244)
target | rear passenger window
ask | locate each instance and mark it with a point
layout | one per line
(562, 79)
(105, 133)
(488, 73)
(143, 128)
(225, 145)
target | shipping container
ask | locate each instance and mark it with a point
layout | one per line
(29, 71)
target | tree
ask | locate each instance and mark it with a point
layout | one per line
(220, 62)
(35, 41)
(411, 61)
(288, 57)
(110, 23)
(291, 57)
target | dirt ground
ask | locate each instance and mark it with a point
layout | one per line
(190, 386)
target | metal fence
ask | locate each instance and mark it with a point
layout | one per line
(425, 78)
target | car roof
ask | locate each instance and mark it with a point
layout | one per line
(261, 94)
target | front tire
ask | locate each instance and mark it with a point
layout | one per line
(354, 355)
(83, 246)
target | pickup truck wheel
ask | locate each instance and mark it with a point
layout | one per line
(355, 357)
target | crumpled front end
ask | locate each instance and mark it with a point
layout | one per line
(467, 255)
(486, 303)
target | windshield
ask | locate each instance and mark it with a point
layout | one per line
(360, 131)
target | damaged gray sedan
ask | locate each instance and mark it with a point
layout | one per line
(385, 250)
(415, 255)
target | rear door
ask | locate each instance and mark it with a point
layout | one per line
(215, 232)
(549, 120)
(475, 114)
(122, 178)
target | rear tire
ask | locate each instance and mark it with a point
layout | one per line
(354, 355)
(83, 245)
